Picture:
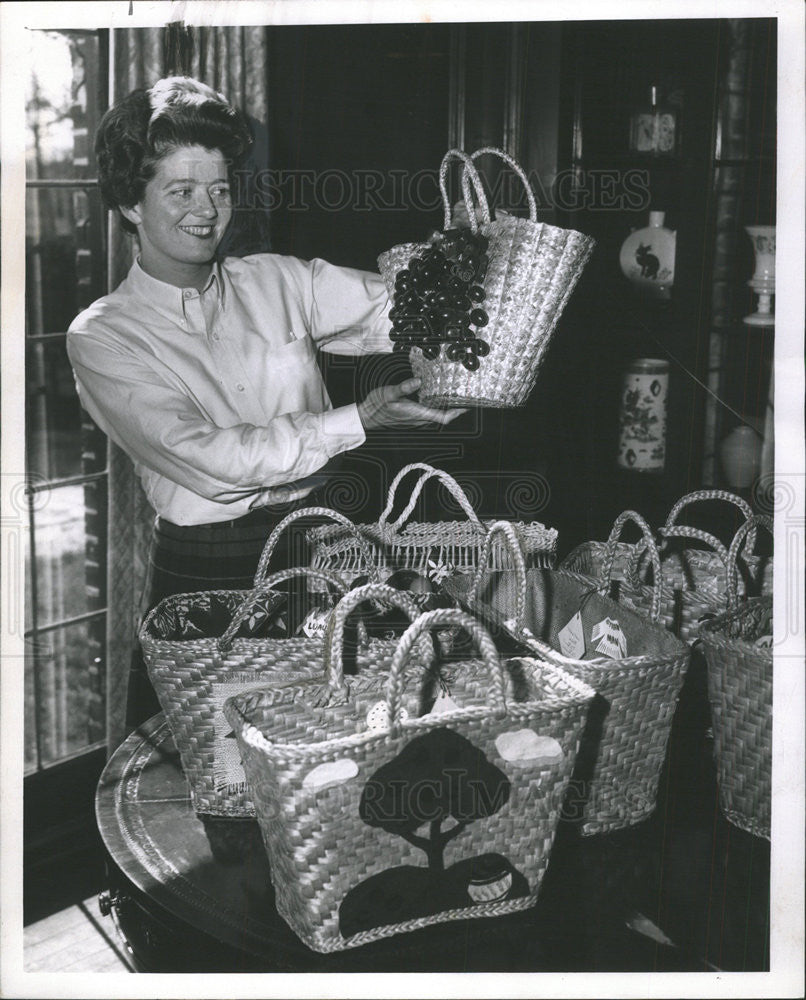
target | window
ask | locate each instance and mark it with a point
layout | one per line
(66, 591)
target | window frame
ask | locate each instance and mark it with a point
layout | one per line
(59, 794)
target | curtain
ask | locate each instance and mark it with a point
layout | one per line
(741, 195)
(233, 60)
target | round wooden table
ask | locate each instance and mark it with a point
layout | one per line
(181, 907)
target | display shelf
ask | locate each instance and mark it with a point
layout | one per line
(720, 175)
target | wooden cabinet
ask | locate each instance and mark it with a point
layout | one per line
(718, 78)
(378, 105)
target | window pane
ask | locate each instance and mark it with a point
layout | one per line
(30, 713)
(62, 104)
(64, 255)
(62, 440)
(69, 663)
(70, 533)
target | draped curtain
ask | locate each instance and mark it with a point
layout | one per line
(233, 60)
(739, 197)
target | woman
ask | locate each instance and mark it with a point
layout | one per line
(204, 370)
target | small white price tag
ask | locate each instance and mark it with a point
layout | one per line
(609, 639)
(572, 638)
(315, 624)
(444, 703)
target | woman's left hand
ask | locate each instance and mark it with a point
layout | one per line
(388, 407)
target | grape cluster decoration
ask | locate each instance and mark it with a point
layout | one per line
(437, 299)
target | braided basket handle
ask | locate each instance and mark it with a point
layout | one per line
(676, 531)
(652, 548)
(513, 545)
(224, 643)
(469, 176)
(334, 637)
(733, 554)
(444, 616)
(530, 197)
(333, 515)
(698, 495)
(429, 472)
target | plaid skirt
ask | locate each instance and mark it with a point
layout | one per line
(185, 559)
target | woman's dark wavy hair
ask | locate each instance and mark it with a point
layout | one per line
(128, 145)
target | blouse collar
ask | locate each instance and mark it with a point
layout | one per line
(163, 295)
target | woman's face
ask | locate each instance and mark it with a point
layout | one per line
(185, 209)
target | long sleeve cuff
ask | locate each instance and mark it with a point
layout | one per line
(342, 429)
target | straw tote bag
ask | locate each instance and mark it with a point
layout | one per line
(196, 660)
(694, 580)
(433, 549)
(639, 682)
(497, 296)
(738, 650)
(383, 812)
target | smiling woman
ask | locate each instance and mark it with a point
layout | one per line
(203, 369)
(182, 215)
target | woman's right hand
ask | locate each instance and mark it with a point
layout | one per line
(388, 407)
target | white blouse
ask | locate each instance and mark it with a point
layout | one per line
(216, 395)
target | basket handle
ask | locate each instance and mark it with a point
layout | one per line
(333, 515)
(225, 641)
(698, 495)
(430, 619)
(513, 544)
(379, 593)
(429, 472)
(468, 171)
(652, 548)
(676, 531)
(530, 197)
(733, 553)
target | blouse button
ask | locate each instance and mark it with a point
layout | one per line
(187, 294)
(216, 337)
(240, 387)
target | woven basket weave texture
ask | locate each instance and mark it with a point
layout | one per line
(319, 847)
(624, 748)
(434, 549)
(694, 580)
(533, 268)
(193, 678)
(740, 693)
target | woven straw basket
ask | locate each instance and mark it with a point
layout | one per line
(694, 580)
(624, 747)
(377, 823)
(740, 693)
(194, 674)
(533, 268)
(433, 549)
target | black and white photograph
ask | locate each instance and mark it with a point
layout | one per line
(402, 499)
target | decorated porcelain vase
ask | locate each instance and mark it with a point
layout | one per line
(642, 417)
(647, 257)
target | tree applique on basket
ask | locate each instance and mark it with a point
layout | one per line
(436, 778)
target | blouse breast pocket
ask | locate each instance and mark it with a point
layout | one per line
(292, 379)
(301, 350)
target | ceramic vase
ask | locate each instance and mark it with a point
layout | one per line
(653, 128)
(647, 257)
(763, 280)
(740, 454)
(642, 417)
